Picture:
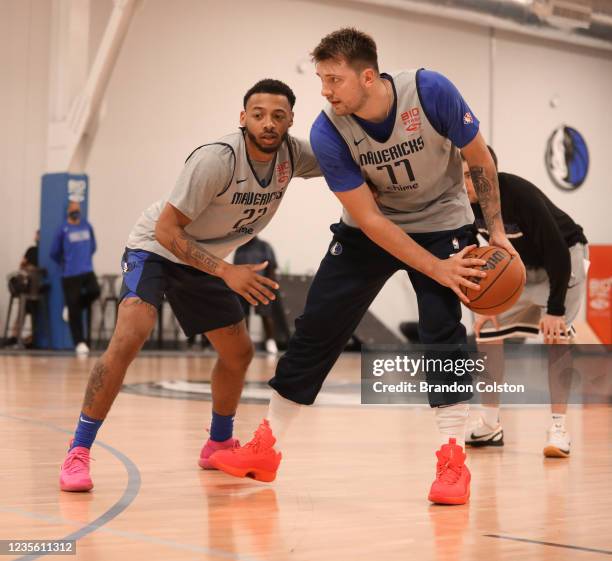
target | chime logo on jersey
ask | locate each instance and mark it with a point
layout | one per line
(567, 158)
(411, 119)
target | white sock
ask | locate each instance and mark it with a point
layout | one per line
(558, 420)
(452, 422)
(281, 413)
(490, 415)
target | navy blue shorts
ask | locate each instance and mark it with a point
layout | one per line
(200, 302)
(350, 276)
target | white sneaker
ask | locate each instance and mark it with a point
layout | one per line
(479, 433)
(558, 442)
(271, 347)
(65, 316)
(82, 349)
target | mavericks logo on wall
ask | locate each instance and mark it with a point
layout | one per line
(76, 190)
(567, 158)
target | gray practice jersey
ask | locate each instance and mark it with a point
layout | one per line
(417, 172)
(229, 198)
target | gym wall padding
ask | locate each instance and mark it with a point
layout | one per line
(57, 189)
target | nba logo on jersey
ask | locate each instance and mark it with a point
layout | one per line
(411, 119)
(282, 172)
(127, 267)
(336, 249)
(468, 119)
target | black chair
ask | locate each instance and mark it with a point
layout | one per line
(29, 289)
(108, 296)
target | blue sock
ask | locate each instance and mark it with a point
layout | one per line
(221, 427)
(86, 431)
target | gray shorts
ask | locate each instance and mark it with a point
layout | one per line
(523, 319)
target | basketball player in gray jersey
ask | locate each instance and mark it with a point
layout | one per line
(433, 202)
(400, 136)
(226, 194)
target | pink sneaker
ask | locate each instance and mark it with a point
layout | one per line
(211, 447)
(74, 475)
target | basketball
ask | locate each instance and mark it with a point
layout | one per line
(502, 286)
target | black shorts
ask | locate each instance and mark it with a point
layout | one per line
(262, 310)
(200, 302)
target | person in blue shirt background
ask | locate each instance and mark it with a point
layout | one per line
(72, 249)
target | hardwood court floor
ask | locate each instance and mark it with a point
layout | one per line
(352, 486)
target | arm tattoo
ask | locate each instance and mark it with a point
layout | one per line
(192, 253)
(95, 384)
(487, 190)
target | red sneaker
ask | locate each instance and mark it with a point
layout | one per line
(74, 475)
(256, 459)
(213, 446)
(452, 484)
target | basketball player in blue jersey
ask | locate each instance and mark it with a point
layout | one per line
(226, 194)
(399, 136)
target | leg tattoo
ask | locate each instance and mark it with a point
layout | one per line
(95, 384)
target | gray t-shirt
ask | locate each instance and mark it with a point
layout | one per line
(417, 173)
(228, 197)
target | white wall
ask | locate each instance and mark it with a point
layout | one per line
(24, 47)
(179, 83)
(528, 74)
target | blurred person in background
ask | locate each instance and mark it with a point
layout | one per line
(258, 251)
(19, 282)
(72, 249)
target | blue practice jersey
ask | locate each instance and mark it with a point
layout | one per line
(73, 247)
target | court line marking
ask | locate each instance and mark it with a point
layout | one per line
(129, 495)
(126, 534)
(550, 544)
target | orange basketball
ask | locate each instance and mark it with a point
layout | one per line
(502, 286)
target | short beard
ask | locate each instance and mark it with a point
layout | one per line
(265, 149)
(361, 104)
